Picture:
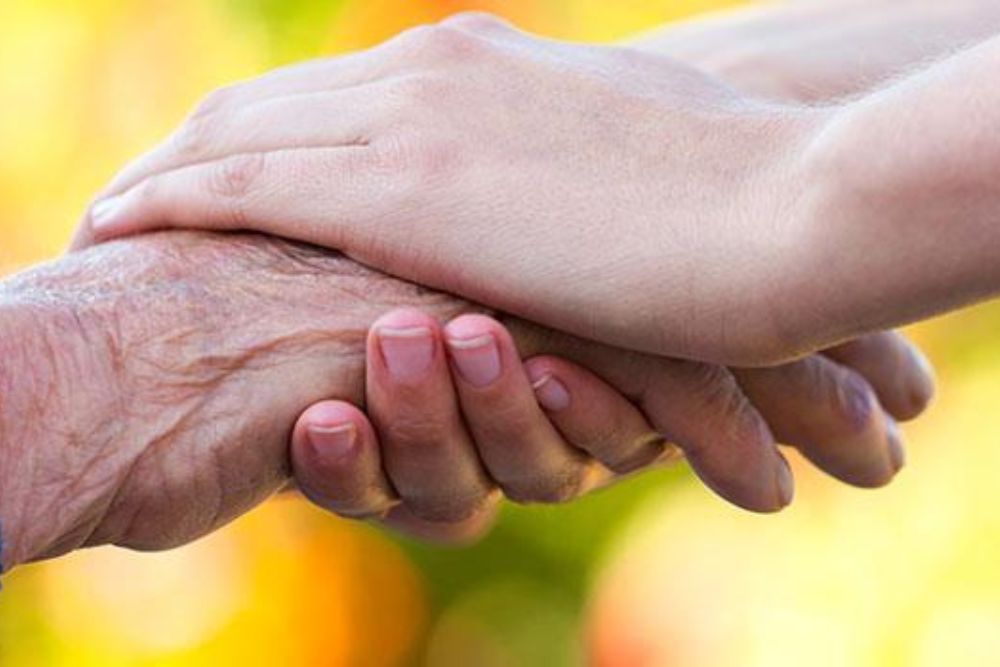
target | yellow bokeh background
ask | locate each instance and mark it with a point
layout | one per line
(655, 572)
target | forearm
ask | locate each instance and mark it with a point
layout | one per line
(905, 200)
(825, 49)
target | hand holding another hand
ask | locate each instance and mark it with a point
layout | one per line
(405, 156)
(619, 183)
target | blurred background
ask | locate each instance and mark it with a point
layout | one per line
(656, 572)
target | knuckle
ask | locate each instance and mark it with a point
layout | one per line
(715, 389)
(195, 136)
(232, 180)
(416, 432)
(715, 394)
(441, 42)
(146, 192)
(853, 402)
(503, 421)
(475, 21)
(215, 101)
(234, 177)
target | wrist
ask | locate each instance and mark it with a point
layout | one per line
(900, 217)
(773, 269)
(19, 414)
(44, 506)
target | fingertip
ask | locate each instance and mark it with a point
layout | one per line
(327, 437)
(480, 350)
(550, 378)
(767, 490)
(405, 318)
(106, 214)
(785, 483)
(923, 387)
(336, 462)
(330, 413)
(897, 449)
(472, 325)
(541, 369)
(82, 236)
(403, 347)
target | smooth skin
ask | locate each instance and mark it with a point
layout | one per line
(644, 203)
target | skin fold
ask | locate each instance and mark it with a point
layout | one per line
(149, 387)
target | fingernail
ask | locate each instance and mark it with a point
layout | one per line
(477, 359)
(408, 352)
(103, 213)
(897, 452)
(332, 443)
(551, 393)
(786, 484)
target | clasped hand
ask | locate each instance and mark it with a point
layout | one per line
(587, 189)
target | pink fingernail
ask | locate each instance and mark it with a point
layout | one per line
(408, 352)
(551, 393)
(104, 212)
(332, 443)
(477, 359)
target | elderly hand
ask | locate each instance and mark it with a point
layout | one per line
(454, 411)
(150, 385)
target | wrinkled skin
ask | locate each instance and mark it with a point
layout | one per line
(171, 369)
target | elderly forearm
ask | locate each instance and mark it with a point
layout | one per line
(824, 49)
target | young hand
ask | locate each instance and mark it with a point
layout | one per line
(642, 203)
